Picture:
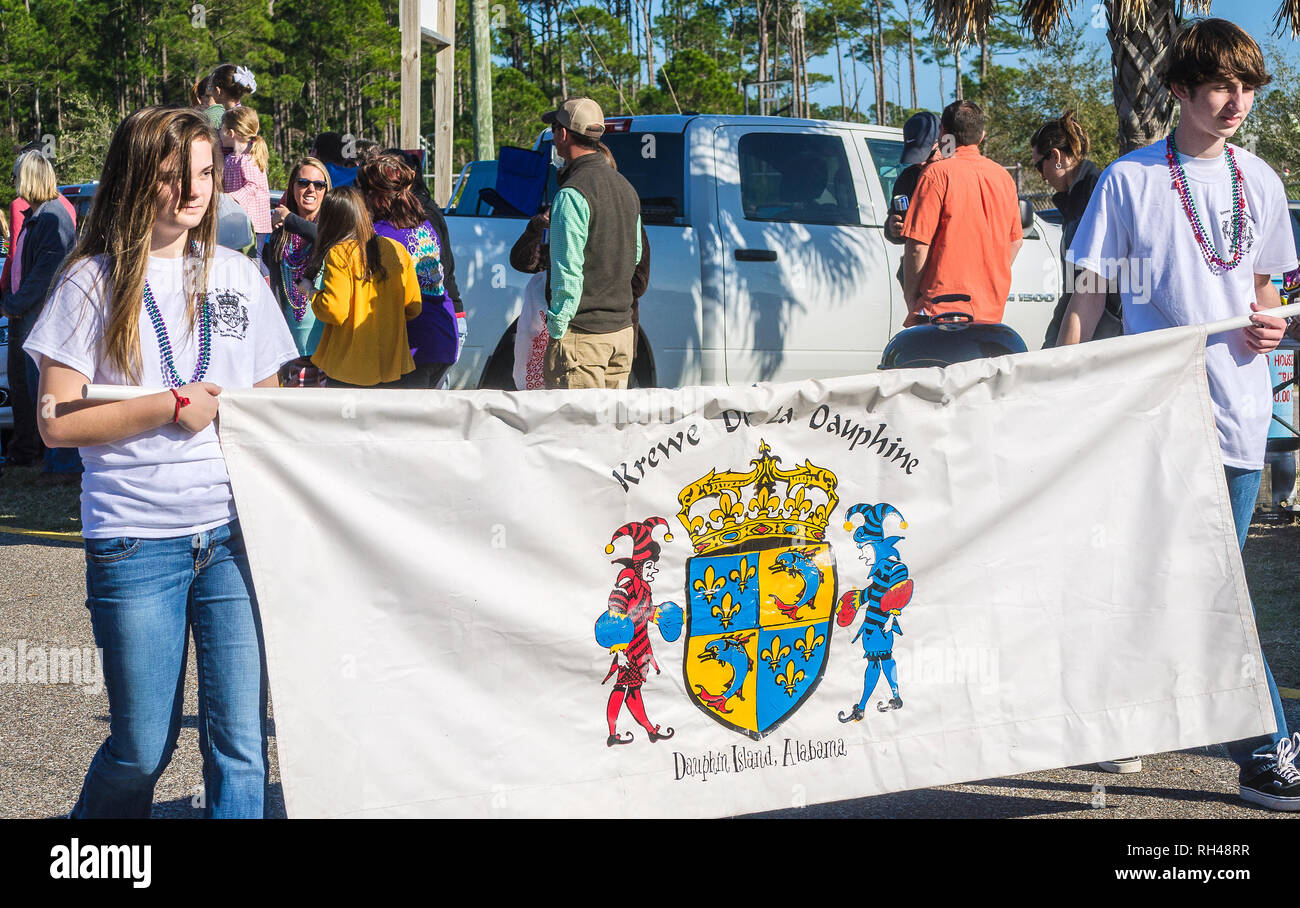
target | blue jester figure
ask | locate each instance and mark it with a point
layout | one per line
(888, 590)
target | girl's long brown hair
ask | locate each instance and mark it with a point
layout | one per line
(387, 181)
(344, 219)
(280, 236)
(150, 149)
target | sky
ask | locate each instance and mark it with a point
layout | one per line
(1256, 17)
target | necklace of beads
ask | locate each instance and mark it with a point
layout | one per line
(293, 267)
(1203, 239)
(170, 376)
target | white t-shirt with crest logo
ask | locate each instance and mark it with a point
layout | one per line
(1135, 228)
(164, 482)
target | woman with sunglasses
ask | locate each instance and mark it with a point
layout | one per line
(286, 254)
(1060, 152)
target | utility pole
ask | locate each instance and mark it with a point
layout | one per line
(409, 18)
(438, 27)
(481, 64)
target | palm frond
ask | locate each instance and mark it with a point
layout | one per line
(960, 21)
(1041, 18)
(1129, 14)
(1288, 17)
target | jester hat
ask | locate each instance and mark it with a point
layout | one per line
(644, 547)
(872, 528)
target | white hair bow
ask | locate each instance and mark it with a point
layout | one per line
(244, 76)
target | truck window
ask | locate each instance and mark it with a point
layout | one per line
(796, 177)
(885, 154)
(654, 164)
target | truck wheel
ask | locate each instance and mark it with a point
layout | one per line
(498, 374)
(643, 365)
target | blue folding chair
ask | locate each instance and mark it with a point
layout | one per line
(521, 183)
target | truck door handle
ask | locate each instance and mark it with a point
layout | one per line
(756, 255)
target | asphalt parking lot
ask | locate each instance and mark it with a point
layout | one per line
(48, 734)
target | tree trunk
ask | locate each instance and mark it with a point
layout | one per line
(559, 45)
(943, 95)
(762, 59)
(1144, 105)
(857, 92)
(882, 105)
(877, 66)
(911, 51)
(839, 63)
(649, 44)
(956, 65)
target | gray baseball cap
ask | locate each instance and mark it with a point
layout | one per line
(580, 115)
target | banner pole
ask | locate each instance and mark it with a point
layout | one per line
(1243, 321)
(116, 392)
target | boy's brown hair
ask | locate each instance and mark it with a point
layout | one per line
(1213, 50)
(964, 121)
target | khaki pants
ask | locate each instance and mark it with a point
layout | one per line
(580, 360)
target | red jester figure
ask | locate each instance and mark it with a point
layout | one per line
(624, 628)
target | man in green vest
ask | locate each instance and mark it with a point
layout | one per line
(595, 244)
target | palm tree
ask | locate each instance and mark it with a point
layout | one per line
(1140, 33)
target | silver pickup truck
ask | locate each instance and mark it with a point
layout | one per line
(768, 256)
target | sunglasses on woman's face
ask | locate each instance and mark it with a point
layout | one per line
(319, 184)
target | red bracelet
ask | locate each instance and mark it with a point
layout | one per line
(180, 402)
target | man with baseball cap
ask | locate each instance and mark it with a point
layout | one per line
(920, 149)
(595, 244)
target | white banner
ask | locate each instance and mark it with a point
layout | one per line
(472, 605)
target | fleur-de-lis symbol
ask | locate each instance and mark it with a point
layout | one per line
(743, 574)
(808, 645)
(790, 678)
(776, 653)
(725, 610)
(708, 586)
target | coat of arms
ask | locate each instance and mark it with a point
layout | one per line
(761, 588)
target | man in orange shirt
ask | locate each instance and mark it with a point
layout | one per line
(962, 228)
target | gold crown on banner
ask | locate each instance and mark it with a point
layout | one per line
(722, 510)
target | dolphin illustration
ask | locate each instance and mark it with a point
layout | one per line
(798, 563)
(730, 651)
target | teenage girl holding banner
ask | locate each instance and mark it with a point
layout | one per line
(147, 298)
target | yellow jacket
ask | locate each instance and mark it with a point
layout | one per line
(364, 338)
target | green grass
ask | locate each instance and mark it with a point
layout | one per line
(28, 505)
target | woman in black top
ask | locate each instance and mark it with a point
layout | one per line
(1060, 150)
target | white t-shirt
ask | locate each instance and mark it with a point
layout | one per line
(167, 481)
(1135, 228)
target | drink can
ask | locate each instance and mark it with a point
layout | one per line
(900, 203)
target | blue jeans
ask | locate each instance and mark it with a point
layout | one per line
(1253, 755)
(144, 595)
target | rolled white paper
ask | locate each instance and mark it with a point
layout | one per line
(115, 392)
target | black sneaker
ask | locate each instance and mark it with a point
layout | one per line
(1278, 787)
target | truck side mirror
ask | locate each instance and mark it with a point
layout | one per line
(1026, 214)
